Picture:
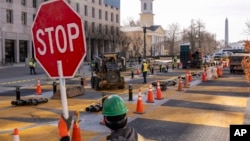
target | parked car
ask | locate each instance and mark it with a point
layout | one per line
(207, 59)
(217, 56)
(227, 53)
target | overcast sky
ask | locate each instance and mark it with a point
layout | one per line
(211, 12)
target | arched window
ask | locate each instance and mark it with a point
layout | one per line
(145, 6)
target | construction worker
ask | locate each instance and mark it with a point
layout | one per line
(64, 128)
(115, 117)
(174, 60)
(144, 70)
(32, 65)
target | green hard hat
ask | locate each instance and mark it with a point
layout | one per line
(114, 105)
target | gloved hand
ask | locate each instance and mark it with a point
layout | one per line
(64, 126)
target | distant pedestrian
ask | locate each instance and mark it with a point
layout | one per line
(32, 65)
(144, 69)
(139, 59)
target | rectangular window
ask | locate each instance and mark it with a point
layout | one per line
(100, 14)
(100, 28)
(112, 30)
(85, 10)
(86, 26)
(100, 2)
(106, 15)
(34, 16)
(9, 1)
(77, 8)
(69, 2)
(93, 12)
(9, 16)
(23, 2)
(106, 29)
(93, 27)
(117, 30)
(24, 18)
(34, 3)
(93, 1)
(112, 17)
(117, 18)
(145, 6)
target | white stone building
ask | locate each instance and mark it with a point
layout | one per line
(154, 35)
(101, 22)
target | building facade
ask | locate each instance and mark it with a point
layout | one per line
(154, 34)
(101, 23)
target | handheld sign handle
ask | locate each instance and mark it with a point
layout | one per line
(62, 90)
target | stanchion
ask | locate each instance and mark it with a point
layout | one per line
(54, 87)
(132, 74)
(130, 92)
(82, 81)
(18, 93)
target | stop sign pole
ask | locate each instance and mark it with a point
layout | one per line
(59, 42)
(64, 101)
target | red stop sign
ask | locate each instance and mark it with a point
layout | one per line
(58, 35)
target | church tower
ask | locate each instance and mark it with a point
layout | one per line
(147, 16)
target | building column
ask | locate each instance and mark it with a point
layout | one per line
(88, 49)
(3, 46)
(103, 45)
(96, 47)
(17, 50)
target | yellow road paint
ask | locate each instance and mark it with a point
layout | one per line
(212, 99)
(195, 116)
(43, 133)
(220, 89)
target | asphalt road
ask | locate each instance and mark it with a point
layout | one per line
(202, 112)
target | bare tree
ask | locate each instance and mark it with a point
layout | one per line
(199, 38)
(194, 34)
(137, 42)
(172, 36)
(247, 31)
(131, 22)
(123, 41)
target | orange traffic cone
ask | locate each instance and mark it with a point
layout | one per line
(221, 71)
(150, 95)
(139, 106)
(158, 91)
(15, 135)
(204, 76)
(218, 71)
(187, 84)
(190, 77)
(38, 87)
(76, 132)
(180, 86)
(138, 71)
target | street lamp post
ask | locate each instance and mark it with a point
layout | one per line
(144, 31)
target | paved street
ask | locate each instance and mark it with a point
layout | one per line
(202, 112)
